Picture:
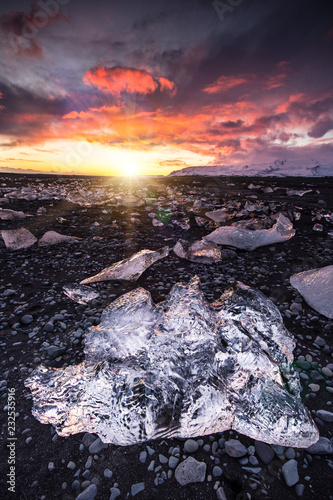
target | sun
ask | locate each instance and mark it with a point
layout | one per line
(130, 167)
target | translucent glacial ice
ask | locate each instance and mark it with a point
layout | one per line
(54, 238)
(17, 239)
(316, 286)
(243, 236)
(80, 293)
(6, 214)
(129, 269)
(183, 367)
(201, 251)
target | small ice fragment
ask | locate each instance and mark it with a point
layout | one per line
(298, 192)
(199, 251)
(16, 239)
(250, 239)
(131, 268)
(316, 286)
(220, 215)
(80, 293)
(6, 214)
(53, 238)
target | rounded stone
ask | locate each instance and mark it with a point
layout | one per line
(290, 472)
(235, 448)
(190, 471)
(190, 446)
(27, 319)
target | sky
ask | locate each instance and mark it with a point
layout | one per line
(147, 87)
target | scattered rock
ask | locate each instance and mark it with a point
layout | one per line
(190, 471)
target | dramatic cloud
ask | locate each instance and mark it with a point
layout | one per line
(166, 78)
(21, 30)
(130, 80)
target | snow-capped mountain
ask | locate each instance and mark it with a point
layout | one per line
(278, 168)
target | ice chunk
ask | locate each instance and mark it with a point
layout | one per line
(16, 239)
(6, 214)
(53, 238)
(246, 238)
(316, 286)
(80, 293)
(129, 269)
(221, 215)
(181, 368)
(298, 192)
(199, 251)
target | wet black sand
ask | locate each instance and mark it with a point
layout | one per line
(37, 276)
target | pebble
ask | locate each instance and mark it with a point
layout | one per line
(27, 319)
(173, 462)
(97, 446)
(235, 448)
(264, 452)
(143, 457)
(136, 488)
(190, 446)
(322, 447)
(115, 493)
(314, 387)
(89, 493)
(217, 471)
(108, 473)
(162, 459)
(290, 453)
(71, 465)
(299, 489)
(49, 327)
(190, 471)
(220, 494)
(325, 415)
(290, 472)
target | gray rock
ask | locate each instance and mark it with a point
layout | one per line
(115, 493)
(49, 327)
(88, 439)
(290, 453)
(136, 488)
(220, 494)
(97, 446)
(89, 493)
(27, 319)
(162, 459)
(299, 489)
(143, 457)
(190, 471)
(217, 471)
(322, 447)
(54, 351)
(190, 446)
(290, 472)
(71, 465)
(173, 462)
(235, 448)
(325, 415)
(108, 473)
(264, 452)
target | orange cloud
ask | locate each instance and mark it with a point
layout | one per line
(131, 80)
(225, 83)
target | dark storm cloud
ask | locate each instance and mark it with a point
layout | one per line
(21, 30)
(321, 128)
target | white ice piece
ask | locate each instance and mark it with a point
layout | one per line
(198, 251)
(181, 368)
(250, 239)
(53, 238)
(316, 286)
(6, 214)
(129, 269)
(17, 239)
(80, 293)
